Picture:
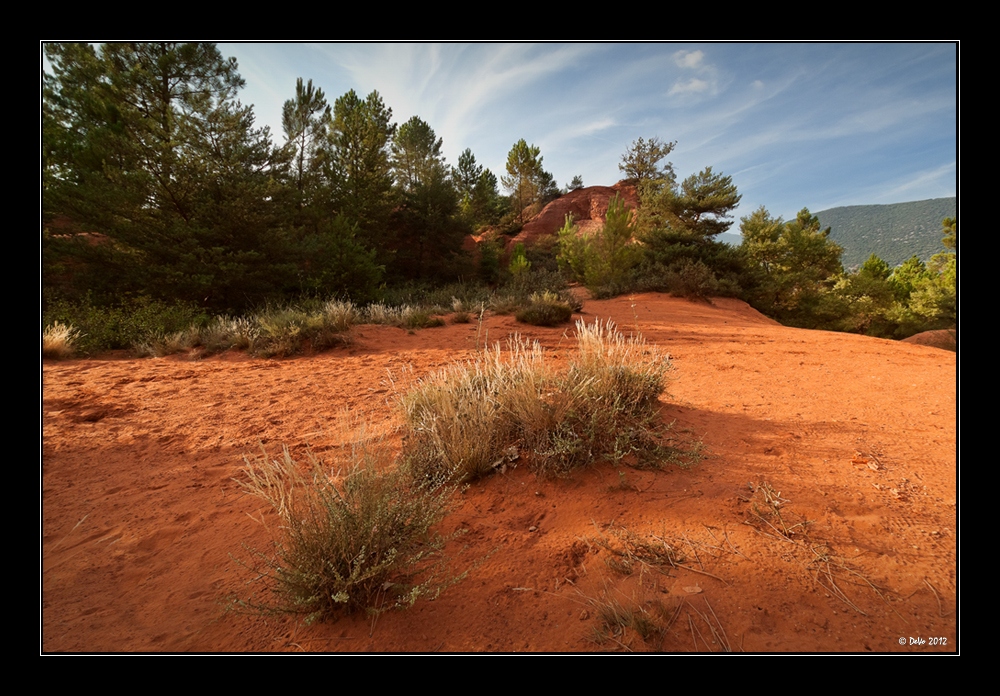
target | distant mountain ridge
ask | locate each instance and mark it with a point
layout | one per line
(895, 232)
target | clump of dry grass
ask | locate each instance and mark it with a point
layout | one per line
(545, 309)
(405, 316)
(609, 397)
(357, 537)
(58, 341)
(466, 417)
(615, 617)
(227, 332)
(270, 332)
(285, 331)
(461, 314)
(629, 552)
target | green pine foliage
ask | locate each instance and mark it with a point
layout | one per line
(519, 264)
(527, 182)
(147, 145)
(605, 259)
(791, 265)
(163, 199)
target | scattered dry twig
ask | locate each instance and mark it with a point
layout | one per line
(941, 611)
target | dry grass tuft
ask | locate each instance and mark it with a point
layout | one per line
(465, 419)
(58, 341)
(356, 537)
(621, 619)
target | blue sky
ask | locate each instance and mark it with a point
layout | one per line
(795, 125)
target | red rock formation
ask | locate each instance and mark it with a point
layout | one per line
(588, 207)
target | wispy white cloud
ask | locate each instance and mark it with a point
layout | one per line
(705, 81)
(942, 177)
(689, 59)
(694, 85)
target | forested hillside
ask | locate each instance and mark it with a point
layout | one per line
(894, 232)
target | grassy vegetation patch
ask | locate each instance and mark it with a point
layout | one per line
(545, 309)
(357, 537)
(59, 341)
(471, 419)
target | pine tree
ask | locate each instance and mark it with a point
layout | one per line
(795, 263)
(478, 195)
(359, 166)
(702, 207)
(427, 225)
(466, 174)
(416, 155)
(641, 164)
(147, 145)
(305, 120)
(526, 181)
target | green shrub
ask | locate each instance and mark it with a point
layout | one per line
(546, 309)
(434, 298)
(124, 325)
(519, 264)
(605, 258)
(345, 540)
(691, 279)
(284, 331)
(419, 319)
(517, 294)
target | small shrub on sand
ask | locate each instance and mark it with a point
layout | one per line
(58, 341)
(464, 419)
(405, 316)
(608, 400)
(461, 314)
(227, 332)
(123, 325)
(284, 331)
(468, 419)
(345, 540)
(169, 344)
(340, 315)
(546, 309)
(420, 319)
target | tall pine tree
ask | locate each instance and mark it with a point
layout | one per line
(147, 145)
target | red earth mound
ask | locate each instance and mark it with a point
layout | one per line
(588, 206)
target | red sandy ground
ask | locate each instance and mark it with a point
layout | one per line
(141, 514)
